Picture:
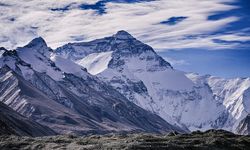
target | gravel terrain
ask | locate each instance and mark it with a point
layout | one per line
(209, 140)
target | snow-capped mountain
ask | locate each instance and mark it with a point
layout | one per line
(60, 94)
(234, 95)
(146, 79)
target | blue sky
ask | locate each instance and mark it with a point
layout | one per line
(223, 63)
(230, 62)
(204, 36)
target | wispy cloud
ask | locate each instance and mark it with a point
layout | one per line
(176, 62)
(22, 20)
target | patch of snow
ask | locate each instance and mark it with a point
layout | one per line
(96, 62)
(162, 79)
(68, 66)
(9, 90)
(6, 76)
(39, 62)
(1, 53)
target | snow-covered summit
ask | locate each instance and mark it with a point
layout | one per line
(123, 35)
(121, 44)
(38, 42)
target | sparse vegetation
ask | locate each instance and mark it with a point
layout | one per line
(209, 140)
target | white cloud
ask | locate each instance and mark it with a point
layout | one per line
(34, 18)
(176, 62)
(234, 37)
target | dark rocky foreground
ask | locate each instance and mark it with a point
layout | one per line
(12, 123)
(209, 140)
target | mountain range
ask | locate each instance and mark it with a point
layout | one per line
(117, 84)
(62, 95)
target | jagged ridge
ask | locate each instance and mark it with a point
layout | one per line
(62, 95)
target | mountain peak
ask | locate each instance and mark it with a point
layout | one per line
(37, 42)
(123, 35)
(3, 49)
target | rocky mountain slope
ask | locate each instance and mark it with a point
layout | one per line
(13, 123)
(61, 95)
(244, 126)
(146, 79)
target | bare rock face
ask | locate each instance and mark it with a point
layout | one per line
(12, 123)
